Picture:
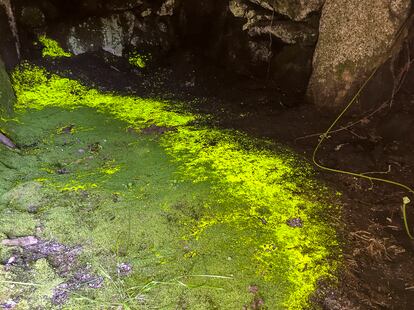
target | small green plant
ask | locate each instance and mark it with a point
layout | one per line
(51, 48)
(139, 60)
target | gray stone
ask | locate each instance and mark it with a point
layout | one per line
(354, 38)
(116, 34)
(21, 242)
(110, 34)
(167, 8)
(297, 10)
(241, 9)
(288, 31)
(264, 22)
(83, 37)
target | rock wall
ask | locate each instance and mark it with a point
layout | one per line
(90, 25)
(280, 35)
(273, 40)
(354, 38)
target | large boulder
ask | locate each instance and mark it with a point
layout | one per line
(7, 97)
(355, 37)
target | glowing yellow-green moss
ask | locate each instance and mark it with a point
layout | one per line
(257, 187)
(110, 169)
(138, 60)
(51, 48)
(269, 187)
(75, 186)
(37, 89)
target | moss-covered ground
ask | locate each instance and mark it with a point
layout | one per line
(207, 218)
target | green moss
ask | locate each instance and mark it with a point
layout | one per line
(5, 252)
(46, 281)
(51, 48)
(25, 197)
(139, 60)
(37, 90)
(17, 224)
(195, 201)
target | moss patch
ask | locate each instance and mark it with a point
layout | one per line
(139, 60)
(51, 48)
(202, 214)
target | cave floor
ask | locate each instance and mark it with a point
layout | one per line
(122, 201)
(180, 205)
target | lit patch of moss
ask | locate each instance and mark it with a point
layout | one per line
(51, 48)
(257, 189)
(75, 185)
(110, 170)
(37, 89)
(139, 60)
(249, 180)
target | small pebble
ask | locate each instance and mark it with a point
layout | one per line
(23, 241)
(32, 208)
(254, 289)
(295, 222)
(62, 171)
(124, 269)
(10, 304)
